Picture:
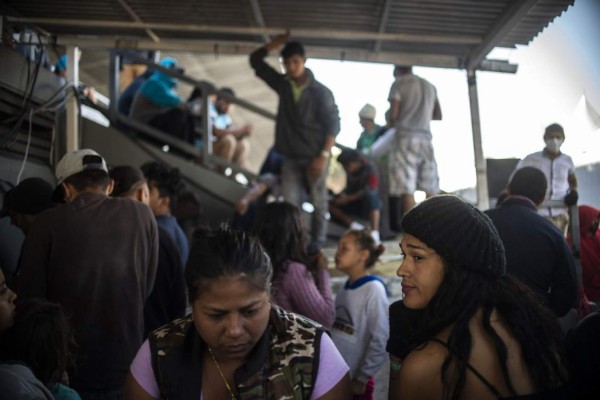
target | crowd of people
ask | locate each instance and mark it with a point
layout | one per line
(113, 299)
(152, 99)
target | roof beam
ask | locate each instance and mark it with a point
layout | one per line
(252, 31)
(258, 18)
(5, 18)
(501, 28)
(383, 22)
(497, 66)
(136, 18)
(245, 48)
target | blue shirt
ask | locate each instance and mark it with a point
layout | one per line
(169, 223)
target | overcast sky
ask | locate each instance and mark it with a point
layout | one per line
(558, 80)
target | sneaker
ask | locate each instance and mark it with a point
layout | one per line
(356, 226)
(376, 238)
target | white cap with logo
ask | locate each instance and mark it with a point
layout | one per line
(77, 161)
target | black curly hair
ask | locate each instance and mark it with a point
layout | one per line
(167, 180)
(41, 337)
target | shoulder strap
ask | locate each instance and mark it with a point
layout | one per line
(491, 387)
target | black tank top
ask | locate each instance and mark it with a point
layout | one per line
(555, 394)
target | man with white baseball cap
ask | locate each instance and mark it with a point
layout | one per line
(77, 161)
(96, 256)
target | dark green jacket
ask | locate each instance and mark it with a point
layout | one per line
(302, 127)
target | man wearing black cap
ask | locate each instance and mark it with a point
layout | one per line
(20, 206)
(95, 256)
(26, 201)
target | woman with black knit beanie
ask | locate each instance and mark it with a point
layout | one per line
(464, 329)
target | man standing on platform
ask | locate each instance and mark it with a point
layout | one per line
(412, 166)
(307, 124)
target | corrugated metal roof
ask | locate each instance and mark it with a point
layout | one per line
(204, 35)
(443, 33)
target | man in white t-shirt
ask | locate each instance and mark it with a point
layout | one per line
(413, 104)
(230, 142)
(560, 173)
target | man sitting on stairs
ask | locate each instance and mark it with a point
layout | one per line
(359, 198)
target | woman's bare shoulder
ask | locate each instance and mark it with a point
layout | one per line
(420, 373)
(425, 357)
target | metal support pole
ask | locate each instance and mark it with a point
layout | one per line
(483, 199)
(72, 134)
(113, 82)
(207, 126)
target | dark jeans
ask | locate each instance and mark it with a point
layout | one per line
(396, 214)
(363, 207)
(295, 184)
(176, 122)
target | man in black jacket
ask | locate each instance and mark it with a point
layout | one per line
(536, 251)
(307, 124)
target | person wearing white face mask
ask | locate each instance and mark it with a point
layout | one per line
(560, 173)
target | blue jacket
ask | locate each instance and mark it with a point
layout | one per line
(159, 88)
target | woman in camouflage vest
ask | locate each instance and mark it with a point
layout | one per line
(235, 344)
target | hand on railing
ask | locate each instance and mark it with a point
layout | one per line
(571, 198)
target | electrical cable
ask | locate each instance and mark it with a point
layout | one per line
(27, 88)
(26, 149)
(43, 108)
(27, 82)
(15, 116)
(48, 103)
(13, 133)
(28, 97)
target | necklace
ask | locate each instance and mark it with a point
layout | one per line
(233, 396)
